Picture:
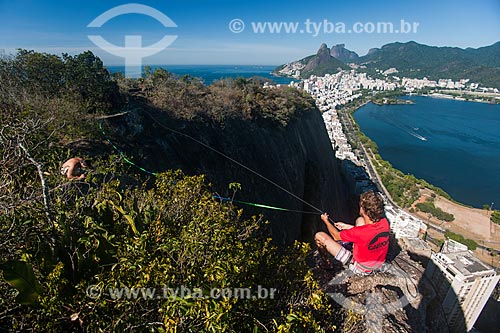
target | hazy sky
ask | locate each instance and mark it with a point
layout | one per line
(204, 36)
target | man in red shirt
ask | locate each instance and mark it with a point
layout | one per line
(370, 237)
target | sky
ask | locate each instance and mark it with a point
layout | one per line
(204, 35)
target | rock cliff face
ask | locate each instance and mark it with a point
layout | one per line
(322, 63)
(298, 157)
(341, 53)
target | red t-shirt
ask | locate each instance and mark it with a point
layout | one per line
(371, 242)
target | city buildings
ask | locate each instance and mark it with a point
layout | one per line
(463, 284)
(337, 89)
(403, 224)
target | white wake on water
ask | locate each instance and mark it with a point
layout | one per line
(418, 136)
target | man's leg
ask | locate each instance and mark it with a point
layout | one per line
(326, 244)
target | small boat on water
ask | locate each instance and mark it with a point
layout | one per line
(418, 136)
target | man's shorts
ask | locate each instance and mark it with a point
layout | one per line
(345, 257)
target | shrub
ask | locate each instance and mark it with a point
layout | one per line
(471, 244)
(428, 207)
(239, 98)
(118, 229)
(495, 217)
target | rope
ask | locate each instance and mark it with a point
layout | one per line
(215, 196)
(234, 161)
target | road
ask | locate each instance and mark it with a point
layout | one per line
(351, 134)
(375, 178)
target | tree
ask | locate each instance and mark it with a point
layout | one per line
(86, 76)
(60, 239)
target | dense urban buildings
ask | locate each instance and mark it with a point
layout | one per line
(462, 282)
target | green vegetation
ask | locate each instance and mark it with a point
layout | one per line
(119, 229)
(495, 217)
(189, 99)
(428, 207)
(471, 244)
(81, 79)
(416, 60)
(390, 97)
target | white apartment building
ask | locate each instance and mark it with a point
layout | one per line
(403, 224)
(463, 284)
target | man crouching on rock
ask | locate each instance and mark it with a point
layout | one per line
(370, 237)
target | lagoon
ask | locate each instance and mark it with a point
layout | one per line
(452, 144)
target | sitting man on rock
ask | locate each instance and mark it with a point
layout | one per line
(370, 237)
(74, 168)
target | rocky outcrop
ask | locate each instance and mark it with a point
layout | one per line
(341, 53)
(322, 63)
(298, 157)
(318, 64)
(398, 299)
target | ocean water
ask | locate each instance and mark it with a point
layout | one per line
(209, 73)
(452, 144)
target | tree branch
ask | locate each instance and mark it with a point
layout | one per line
(42, 180)
(112, 115)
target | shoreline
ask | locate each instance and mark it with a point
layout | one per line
(463, 213)
(451, 198)
(453, 98)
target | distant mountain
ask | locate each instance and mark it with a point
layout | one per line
(341, 53)
(417, 60)
(319, 64)
(481, 65)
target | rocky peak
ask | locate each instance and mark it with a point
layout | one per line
(341, 53)
(323, 52)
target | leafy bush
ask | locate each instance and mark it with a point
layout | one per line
(188, 98)
(81, 78)
(173, 234)
(116, 229)
(428, 207)
(495, 217)
(471, 244)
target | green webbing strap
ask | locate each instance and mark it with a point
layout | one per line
(122, 154)
(215, 196)
(265, 206)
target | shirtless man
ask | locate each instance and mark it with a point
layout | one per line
(74, 168)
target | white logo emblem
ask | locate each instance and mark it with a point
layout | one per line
(374, 310)
(133, 52)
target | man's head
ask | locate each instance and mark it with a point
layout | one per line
(371, 205)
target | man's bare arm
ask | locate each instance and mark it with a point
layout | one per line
(331, 228)
(343, 226)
